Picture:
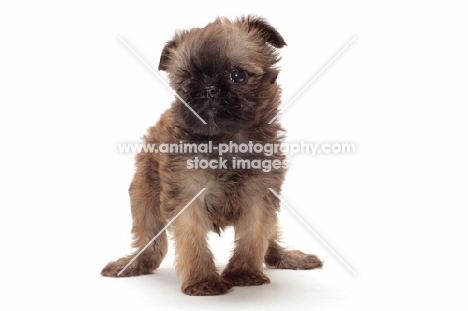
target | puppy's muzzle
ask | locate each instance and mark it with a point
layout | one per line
(211, 92)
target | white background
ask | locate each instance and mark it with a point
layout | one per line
(70, 91)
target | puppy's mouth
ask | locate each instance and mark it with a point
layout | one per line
(208, 106)
(221, 113)
(211, 106)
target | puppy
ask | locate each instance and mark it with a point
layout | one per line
(226, 75)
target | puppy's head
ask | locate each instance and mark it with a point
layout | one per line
(226, 73)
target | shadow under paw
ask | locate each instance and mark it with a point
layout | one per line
(208, 287)
(245, 278)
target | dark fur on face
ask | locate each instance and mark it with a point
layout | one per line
(221, 71)
(226, 72)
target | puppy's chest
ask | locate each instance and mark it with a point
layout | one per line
(224, 176)
(224, 197)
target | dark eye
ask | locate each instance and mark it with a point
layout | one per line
(238, 76)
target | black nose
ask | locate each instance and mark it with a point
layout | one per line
(211, 92)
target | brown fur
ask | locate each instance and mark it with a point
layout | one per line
(163, 184)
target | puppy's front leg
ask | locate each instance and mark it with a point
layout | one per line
(194, 260)
(252, 232)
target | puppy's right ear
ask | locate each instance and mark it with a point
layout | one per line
(266, 31)
(166, 55)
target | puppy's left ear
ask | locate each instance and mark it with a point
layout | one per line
(166, 55)
(266, 31)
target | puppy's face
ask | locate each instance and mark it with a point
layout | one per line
(226, 73)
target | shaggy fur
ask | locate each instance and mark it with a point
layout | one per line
(200, 63)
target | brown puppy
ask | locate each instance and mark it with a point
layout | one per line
(226, 73)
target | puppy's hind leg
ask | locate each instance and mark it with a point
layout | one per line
(281, 258)
(148, 221)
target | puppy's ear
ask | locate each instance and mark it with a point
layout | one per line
(266, 31)
(166, 55)
(271, 76)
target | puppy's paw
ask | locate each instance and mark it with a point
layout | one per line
(208, 287)
(138, 267)
(297, 260)
(243, 278)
